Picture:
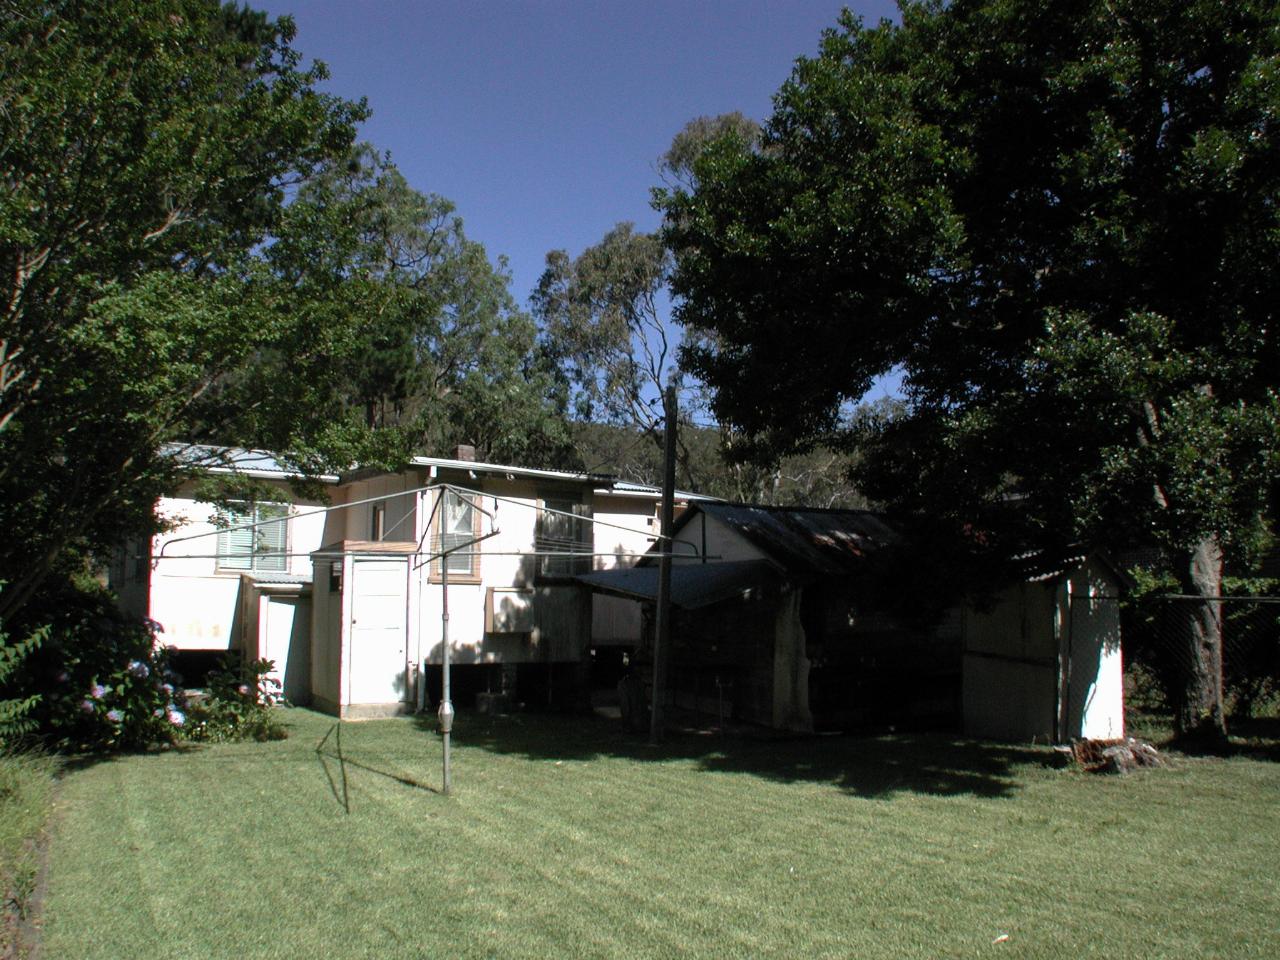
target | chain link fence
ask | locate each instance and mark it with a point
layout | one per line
(1159, 658)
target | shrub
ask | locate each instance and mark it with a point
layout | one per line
(238, 705)
(15, 713)
(101, 679)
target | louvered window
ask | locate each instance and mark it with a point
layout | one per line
(255, 539)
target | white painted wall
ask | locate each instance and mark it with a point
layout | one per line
(284, 637)
(203, 608)
(498, 566)
(719, 542)
(616, 621)
(400, 521)
(627, 528)
(506, 562)
(196, 604)
(327, 611)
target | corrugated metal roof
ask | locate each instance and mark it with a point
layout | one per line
(1038, 566)
(1042, 566)
(477, 466)
(251, 463)
(802, 540)
(603, 482)
(277, 577)
(693, 585)
(266, 465)
(633, 489)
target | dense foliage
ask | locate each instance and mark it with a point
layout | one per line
(442, 355)
(1059, 221)
(604, 320)
(102, 680)
(15, 711)
(147, 148)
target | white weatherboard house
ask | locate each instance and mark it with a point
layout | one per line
(774, 624)
(237, 579)
(346, 596)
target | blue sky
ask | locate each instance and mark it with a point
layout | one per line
(542, 121)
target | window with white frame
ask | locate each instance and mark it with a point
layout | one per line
(459, 525)
(256, 537)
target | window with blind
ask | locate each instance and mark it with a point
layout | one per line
(459, 525)
(564, 529)
(256, 538)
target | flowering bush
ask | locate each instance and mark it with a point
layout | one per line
(238, 704)
(128, 707)
(102, 680)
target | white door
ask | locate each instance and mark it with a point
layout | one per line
(379, 617)
(286, 641)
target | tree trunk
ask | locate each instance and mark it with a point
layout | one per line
(1201, 716)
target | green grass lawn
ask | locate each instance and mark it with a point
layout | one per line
(565, 838)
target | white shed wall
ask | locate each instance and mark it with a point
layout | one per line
(1044, 662)
(1093, 668)
(713, 539)
(327, 608)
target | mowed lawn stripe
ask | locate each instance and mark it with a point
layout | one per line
(726, 849)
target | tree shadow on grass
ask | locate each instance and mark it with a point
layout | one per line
(869, 766)
(1257, 738)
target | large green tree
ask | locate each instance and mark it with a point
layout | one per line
(147, 148)
(442, 355)
(1059, 220)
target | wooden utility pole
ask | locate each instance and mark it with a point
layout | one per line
(662, 626)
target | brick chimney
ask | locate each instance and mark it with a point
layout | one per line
(464, 451)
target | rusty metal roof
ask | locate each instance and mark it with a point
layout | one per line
(804, 540)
